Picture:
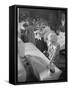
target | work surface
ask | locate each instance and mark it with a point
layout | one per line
(40, 62)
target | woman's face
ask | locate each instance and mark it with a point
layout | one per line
(22, 27)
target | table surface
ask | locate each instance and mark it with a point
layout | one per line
(32, 50)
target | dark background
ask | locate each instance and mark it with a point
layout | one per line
(53, 17)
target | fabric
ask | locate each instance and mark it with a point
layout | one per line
(21, 48)
(41, 45)
(30, 34)
(21, 71)
(53, 51)
(61, 40)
